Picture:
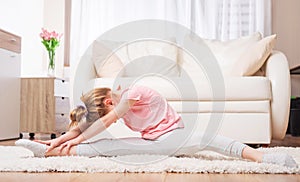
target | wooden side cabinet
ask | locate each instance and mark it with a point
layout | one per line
(44, 105)
(10, 71)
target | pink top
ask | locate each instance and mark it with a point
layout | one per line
(151, 114)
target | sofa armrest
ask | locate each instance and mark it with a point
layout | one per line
(277, 70)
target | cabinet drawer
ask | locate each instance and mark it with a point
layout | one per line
(61, 123)
(10, 41)
(61, 88)
(62, 105)
(10, 108)
(10, 64)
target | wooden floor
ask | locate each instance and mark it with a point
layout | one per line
(146, 177)
(149, 177)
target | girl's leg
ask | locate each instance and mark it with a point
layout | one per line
(39, 150)
(103, 147)
(252, 154)
(227, 146)
(117, 147)
(57, 152)
(234, 148)
(165, 145)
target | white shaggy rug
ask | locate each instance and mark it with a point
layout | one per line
(18, 159)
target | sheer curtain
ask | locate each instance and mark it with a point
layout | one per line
(91, 18)
(212, 19)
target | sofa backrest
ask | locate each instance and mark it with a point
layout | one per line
(136, 58)
(240, 57)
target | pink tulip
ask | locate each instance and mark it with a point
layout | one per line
(44, 30)
(53, 36)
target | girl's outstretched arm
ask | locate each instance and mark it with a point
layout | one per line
(99, 125)
(104, 122)
(75, 132)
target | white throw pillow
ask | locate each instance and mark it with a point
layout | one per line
(108, 62)
(254, 57)
(150, 56)
(228, 53)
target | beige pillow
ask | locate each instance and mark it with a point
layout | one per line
(228, 53)
(254, 57)
(150, 56)
(108, 63)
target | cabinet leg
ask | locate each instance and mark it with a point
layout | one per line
(31, 136)
(53, 135)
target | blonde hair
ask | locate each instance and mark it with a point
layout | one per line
(94, 106)
(76, 115)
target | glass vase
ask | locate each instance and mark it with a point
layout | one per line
(51, 64)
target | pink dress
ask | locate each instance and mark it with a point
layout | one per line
(151, 115)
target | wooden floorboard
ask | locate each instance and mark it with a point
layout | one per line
(150, 177)
(143, 177)
(288, 141)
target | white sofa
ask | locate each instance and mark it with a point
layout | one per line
(254, 109)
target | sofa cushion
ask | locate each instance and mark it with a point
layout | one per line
(148, 56)
(253, 106)
(108, 62)
(178, 88)
(253, 58)
(135, 58)
(228, 53)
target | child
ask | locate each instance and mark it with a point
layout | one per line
(146, 111)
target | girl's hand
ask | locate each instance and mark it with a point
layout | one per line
(46, 142)
(68, 144)
(51, 143)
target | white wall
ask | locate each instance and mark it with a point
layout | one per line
(286, 24)
(25, 18)
(54, 19)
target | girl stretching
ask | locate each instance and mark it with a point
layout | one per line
(146, 111)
